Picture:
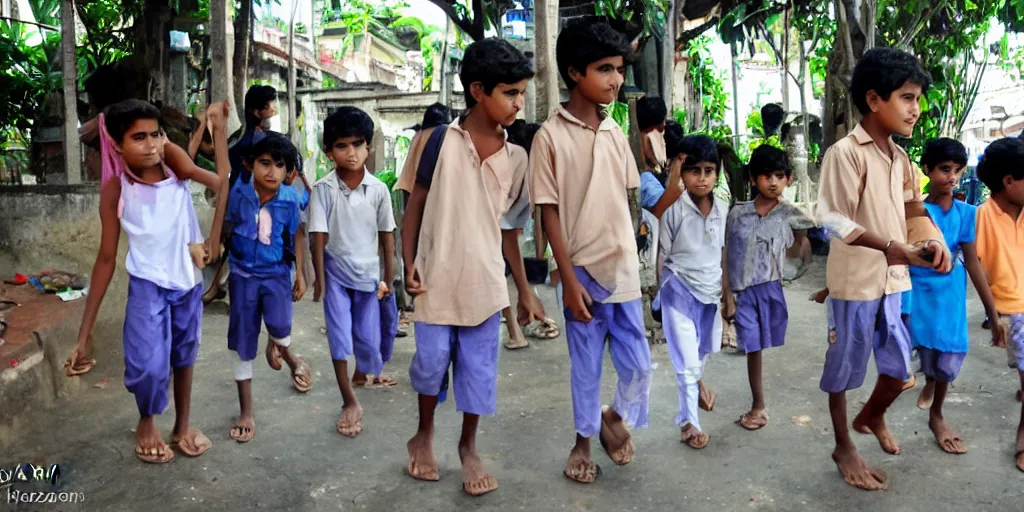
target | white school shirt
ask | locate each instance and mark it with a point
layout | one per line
(160, 221)
(692, 246)
(352, 219)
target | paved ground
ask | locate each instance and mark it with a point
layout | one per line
(298, 462)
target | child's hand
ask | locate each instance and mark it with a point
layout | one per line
(675, 178)
(217, 115)
(318, 290)
(529, 309)
(212, 251)
(577, 301)
(819, 296)
(729, 309)
(1000, 332)
(383, 290)
(413, 285)
(937, 255)
(80, 361)
(199, 254)
(299, 288)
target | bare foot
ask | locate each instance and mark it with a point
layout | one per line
(615, 437)
(476, 480)
(580, 468)
(351, 422)
(948, 440)
(243, 430)
(910, 383)
(149, 446)
(1020, 460)
(422, 465)
(925, 400)
(515, 344)
(192, 443)
(706, 399)
(856, 472)
(756, 419)
(877, 427)
(696, 439)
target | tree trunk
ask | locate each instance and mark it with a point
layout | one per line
(851, 41)
(221, 86)
(443, 68)
(668, 53)
(734, 71)
(293, 131)
(72, 152)
(545, 22)
(243, 50)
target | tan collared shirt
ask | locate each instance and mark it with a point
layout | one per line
(587, 172)
(862, 189)
(408, 178)
(459, 256)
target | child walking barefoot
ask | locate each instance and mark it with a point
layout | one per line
(692, 237)
(758, 234)
(152, 202)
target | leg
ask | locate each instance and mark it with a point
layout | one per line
(428, 374)
(147, 347)
(338, 315)
(631, 356)
(926, 398)
(516, 339)
(475, 379)
(276, 299)
(948, 440)
(366, 338)
(244, 428)
(476, 480)
(682, 337)
(892, 356)
(871, 419)
(756, 418)
(854, 468)
(1019, 446)
(186, 325)
(586, 354)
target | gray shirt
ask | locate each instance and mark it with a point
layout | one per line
(352, 218)
(692, 245)
(756, 245)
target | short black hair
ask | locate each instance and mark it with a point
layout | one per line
(650, 112)
(700, 148)
(492, 61)
(766, 159)
(585, 41)
(772, 116)
(943, 150)
(347, 122)
(278, 147)
(120, 116)
(884, 70)
(674, 136)
(1002, 158)
(257, 98)
(521, 133)
(111, 83)
(436, 115)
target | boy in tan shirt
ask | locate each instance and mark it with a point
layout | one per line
(582, 175)
(452, 247)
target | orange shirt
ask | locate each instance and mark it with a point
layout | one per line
(459, 256)
(1000, 244)
(587, 173)
(862, 189)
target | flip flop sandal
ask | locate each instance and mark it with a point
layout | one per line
(543, 330)
(756, 422)
(695, 440)
(85, 367)
(273, 356)
(302, 370)
(141, 454)
(379, 382)
(597, 473)
(241, 437)
(198, 439)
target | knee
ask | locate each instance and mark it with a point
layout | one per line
(243, 370)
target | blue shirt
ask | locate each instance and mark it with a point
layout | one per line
(257, 249)
(650, 190)
(938, 318)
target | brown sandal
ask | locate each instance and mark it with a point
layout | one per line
(302, 370)
(198, 439)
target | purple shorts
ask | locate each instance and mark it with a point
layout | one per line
(939, 365)
(761, 317)
(1015, 347)
(630, 354)
(161, 331)
(253, 299)
(855, 329)
(677, 298)
(388, 326)
(472, 352)
(353, 324)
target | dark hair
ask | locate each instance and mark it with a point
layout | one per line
(120, 116)
(674, 136)
(111, 83)
(521, 133)
(943, 150)
(278, 147)
(492, 61)
(347, 122)
(1002, 158)
(436, 115)
(650, 112)
(772, 116)
(766, 160)
(884, 70)
(257, 98)
(586, 41)
(700, 148)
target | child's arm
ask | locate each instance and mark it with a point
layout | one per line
(317, 227)
(217, 116)
(574, 296)
(411, 223)
(673, 189)
(729, 311)
(102, 271)
(197, 136)
(299, 288)
(387, 247)
(529, 307)
(186, 169)
(973, 265)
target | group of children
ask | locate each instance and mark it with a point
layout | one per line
(466, 193)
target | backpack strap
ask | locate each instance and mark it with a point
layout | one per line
(429, 157)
